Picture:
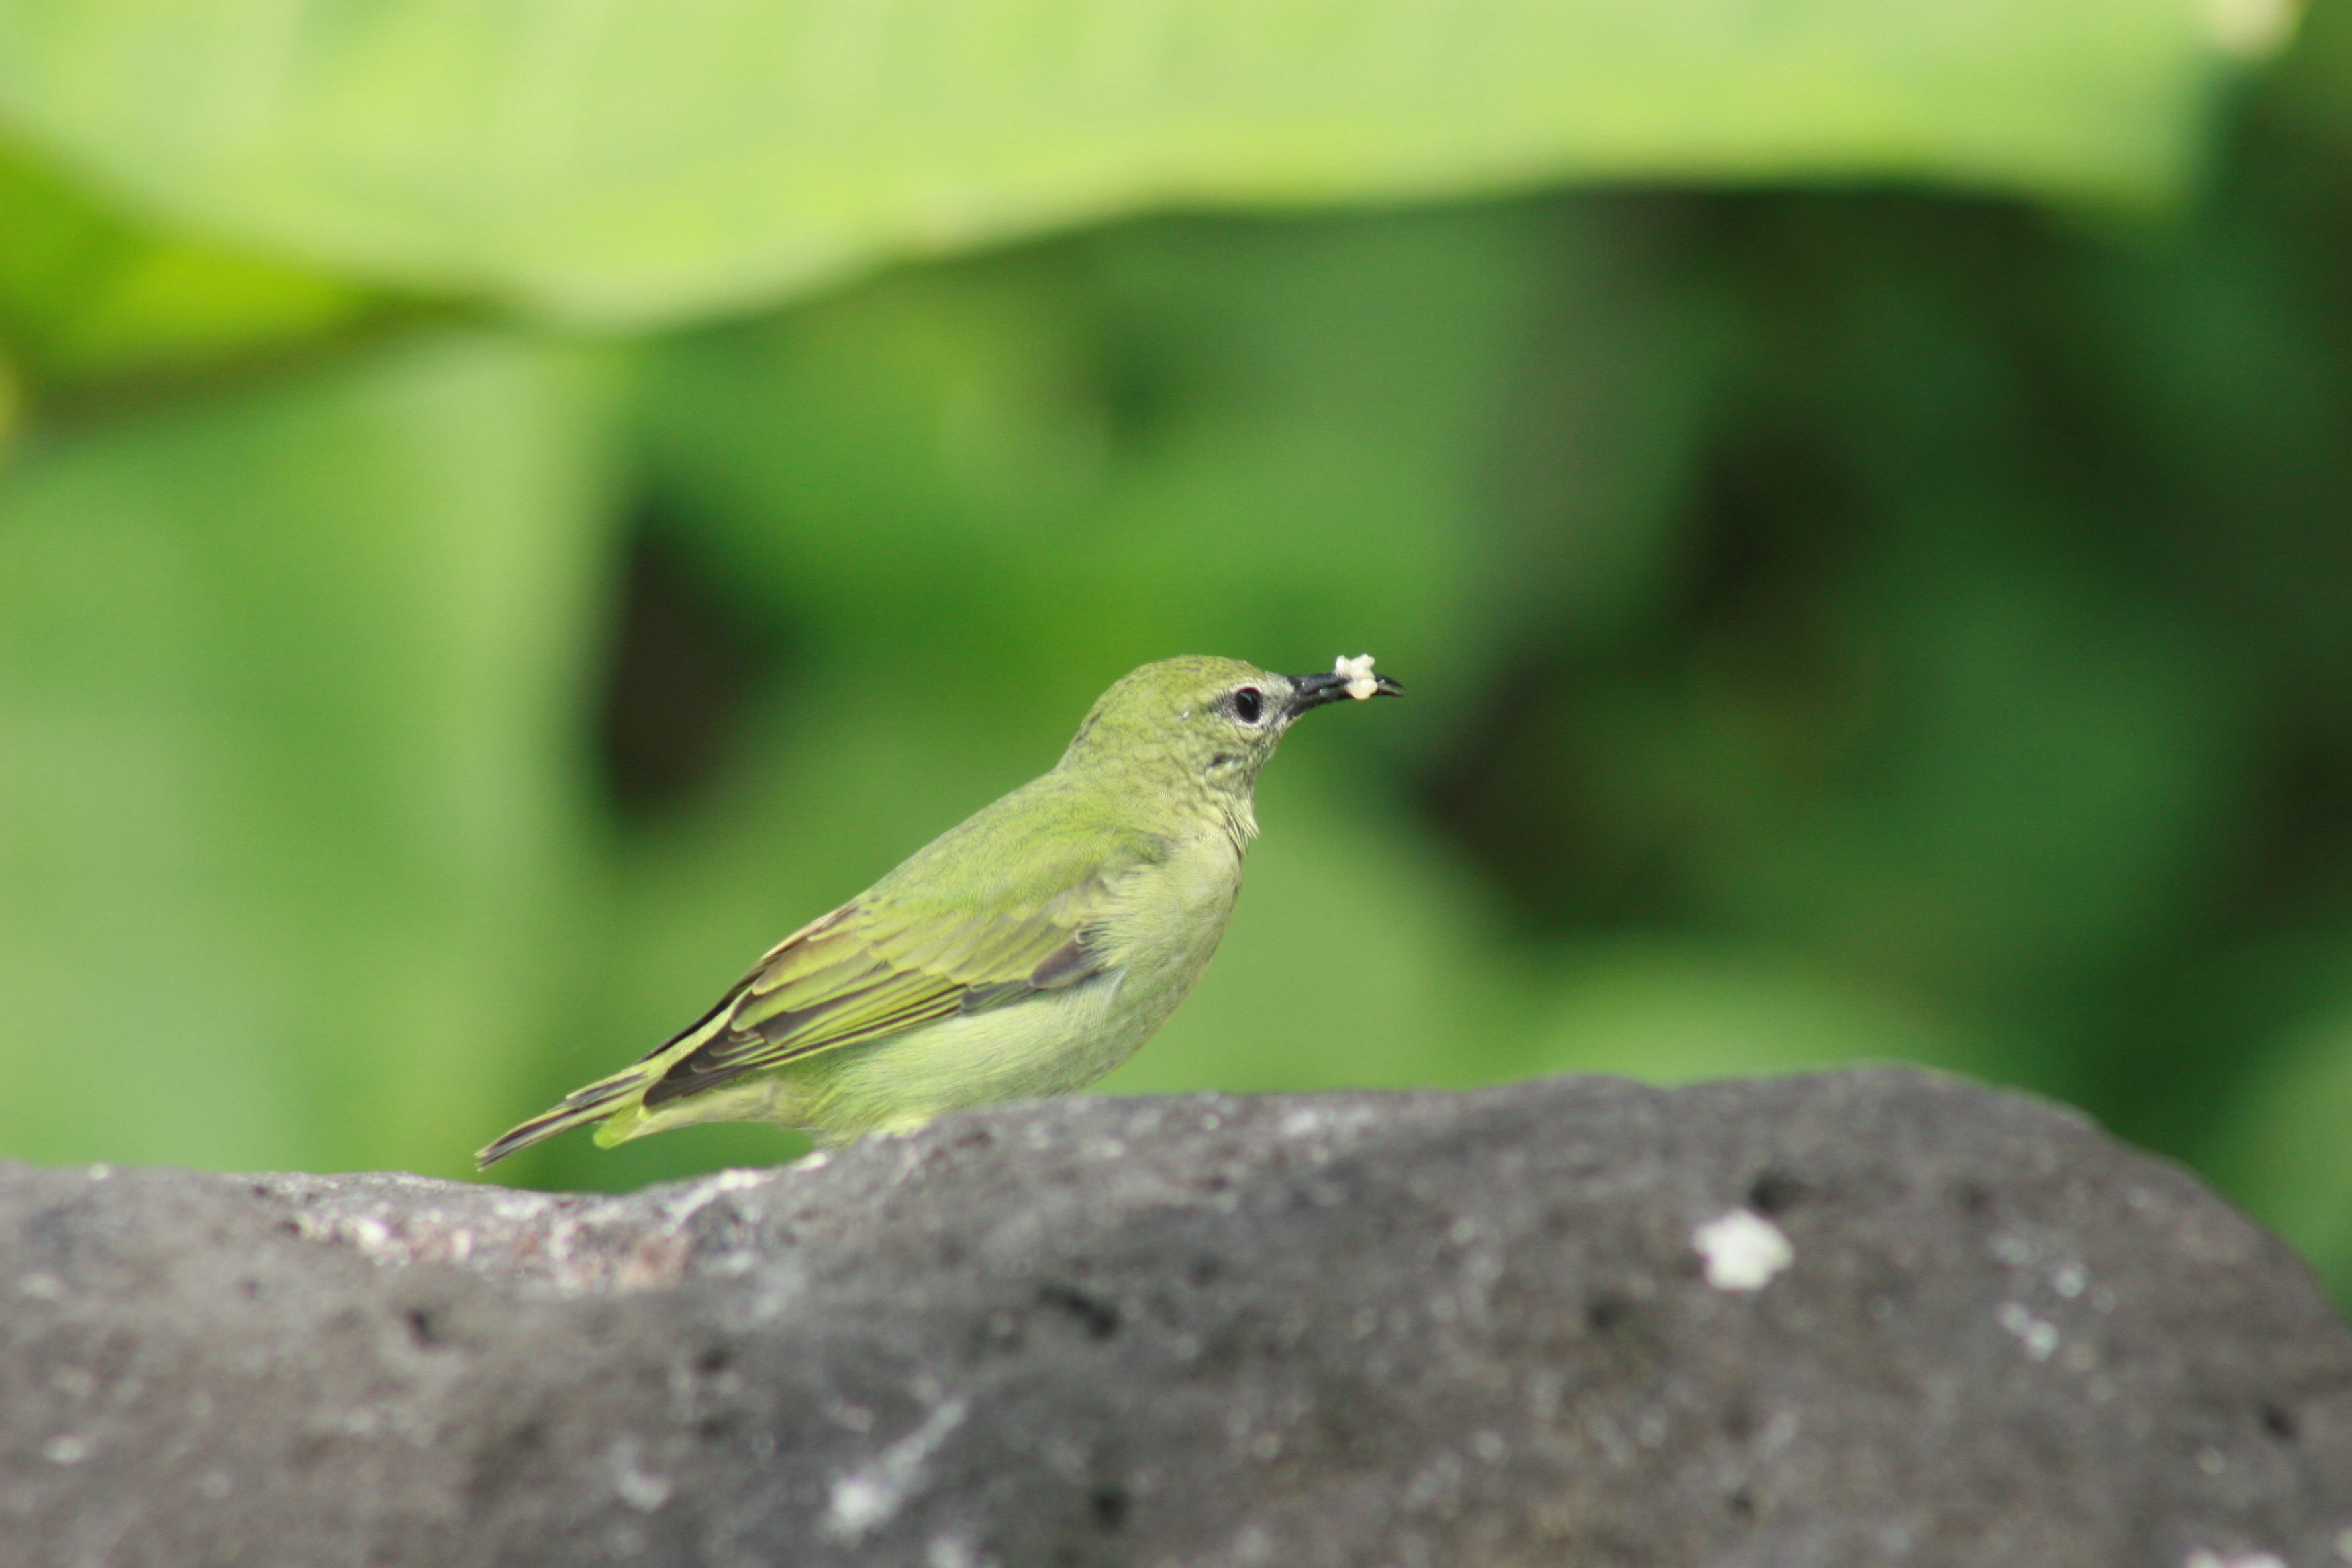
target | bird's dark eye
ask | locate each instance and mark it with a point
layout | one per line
(1248, 704)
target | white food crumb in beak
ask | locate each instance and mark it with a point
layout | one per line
(1358, 671)
(1743, 1251)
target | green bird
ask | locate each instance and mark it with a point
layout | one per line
(1026, 952)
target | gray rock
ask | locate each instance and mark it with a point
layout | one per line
(1348, 1328)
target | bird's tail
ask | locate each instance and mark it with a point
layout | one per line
(582, 1106)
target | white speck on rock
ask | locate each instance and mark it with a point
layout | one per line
(2039, 1338)
(42, 1287)
(2206, 1557)
(1358, 671)
(947, 1552)
(677, 1212)
(66, 1450)
(1743, 1251)
(872, 1494)
(519, 1207)
(2069, 1280)
(633, 1484)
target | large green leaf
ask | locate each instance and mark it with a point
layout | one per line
(629, 161)
(85, 296)
(289, 826)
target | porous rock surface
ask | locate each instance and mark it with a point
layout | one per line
(1399, 1330)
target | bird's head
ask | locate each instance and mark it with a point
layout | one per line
(1219, 718)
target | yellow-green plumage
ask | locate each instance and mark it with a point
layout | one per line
(1026, 952)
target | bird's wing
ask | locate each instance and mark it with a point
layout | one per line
(894, 959)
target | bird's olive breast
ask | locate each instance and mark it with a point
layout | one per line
(1176, 909)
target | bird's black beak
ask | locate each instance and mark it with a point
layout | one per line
(1314, 690)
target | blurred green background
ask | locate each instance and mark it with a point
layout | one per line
(506, 509)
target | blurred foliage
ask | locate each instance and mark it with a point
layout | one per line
(87, 297)
(635, 162)
(290, 696)
(1841, 624)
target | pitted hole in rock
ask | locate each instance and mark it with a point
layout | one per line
(1108, 1506)
(713, 1360)
(1971, 1198)
(1609, 1312)
(1098, 1317)
(424, 1328)
(2280, 1423)
(1775, 1193)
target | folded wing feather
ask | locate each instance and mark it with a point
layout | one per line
(860, 973)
